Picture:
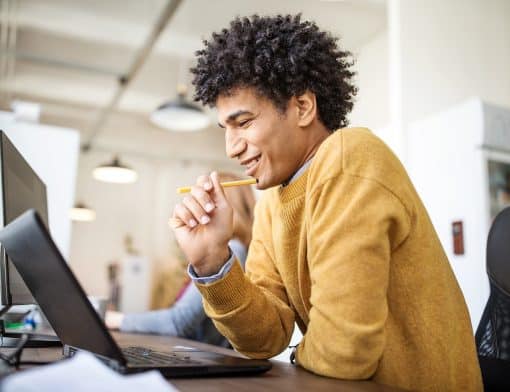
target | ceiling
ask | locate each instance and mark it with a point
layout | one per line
(70, 55)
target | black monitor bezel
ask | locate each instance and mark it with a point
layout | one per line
(6, 297)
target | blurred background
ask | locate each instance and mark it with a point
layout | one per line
(80, 82)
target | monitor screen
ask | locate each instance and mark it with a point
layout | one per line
(21, 189)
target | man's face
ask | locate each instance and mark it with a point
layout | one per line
(269, 144)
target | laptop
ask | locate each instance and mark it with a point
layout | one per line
(57, 291)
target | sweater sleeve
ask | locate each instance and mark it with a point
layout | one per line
(354, 225)
(252, 311)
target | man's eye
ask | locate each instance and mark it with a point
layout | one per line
(243, 123)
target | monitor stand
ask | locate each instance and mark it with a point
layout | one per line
(36, 338)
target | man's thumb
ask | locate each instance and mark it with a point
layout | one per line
(219, 192)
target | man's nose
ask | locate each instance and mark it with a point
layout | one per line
(234, 145)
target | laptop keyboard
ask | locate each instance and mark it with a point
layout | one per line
(143, 356)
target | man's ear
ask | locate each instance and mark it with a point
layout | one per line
(307, 108)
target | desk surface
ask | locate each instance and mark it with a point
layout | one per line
(283, 376)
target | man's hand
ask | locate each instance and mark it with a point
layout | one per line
(113, 319)
(203, 225)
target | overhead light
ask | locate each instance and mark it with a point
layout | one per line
(115, 172)
(81, 213)
(180, 115)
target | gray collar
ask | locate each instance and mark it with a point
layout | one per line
(298, 173)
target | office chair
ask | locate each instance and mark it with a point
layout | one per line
(493, 332)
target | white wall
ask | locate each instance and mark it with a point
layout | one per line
(452, 50)
(453, 187)
(371, 106)
(53, 154)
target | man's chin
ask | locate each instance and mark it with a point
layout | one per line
(265, 183)
(261, 186)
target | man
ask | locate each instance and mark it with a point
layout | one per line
(341, 244)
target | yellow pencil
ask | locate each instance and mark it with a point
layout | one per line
(226, 184)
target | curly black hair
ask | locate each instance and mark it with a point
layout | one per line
(280, 57)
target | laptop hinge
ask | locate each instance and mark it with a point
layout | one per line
(69, 351)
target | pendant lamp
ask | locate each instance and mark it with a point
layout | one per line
(81, 213)
(115, 172)
(180, 115)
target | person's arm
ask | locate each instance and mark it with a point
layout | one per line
(355, 225)
(252, 311)
(180, 320)
(183, 318)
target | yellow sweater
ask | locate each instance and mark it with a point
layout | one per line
(349, 253)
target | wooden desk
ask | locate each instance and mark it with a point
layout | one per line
(282, 377)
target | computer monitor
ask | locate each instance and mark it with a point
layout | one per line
(20, 189)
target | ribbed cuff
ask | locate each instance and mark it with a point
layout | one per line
(228, 293)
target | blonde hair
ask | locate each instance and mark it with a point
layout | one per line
(242, 200)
